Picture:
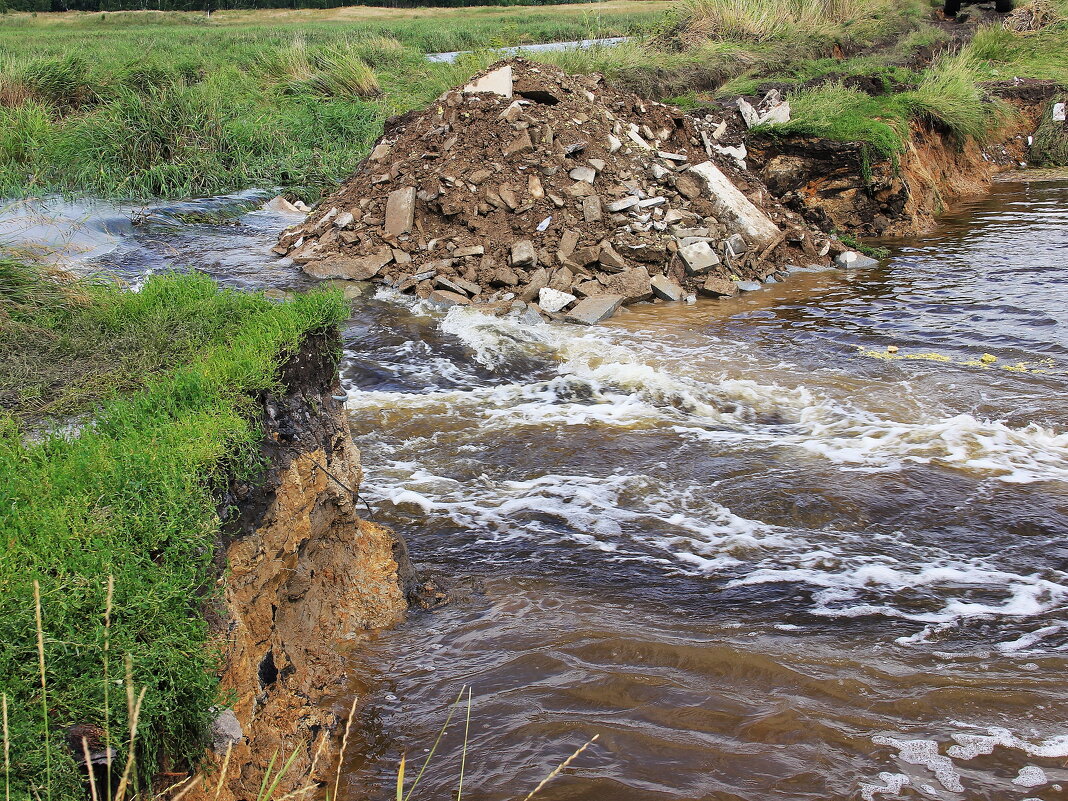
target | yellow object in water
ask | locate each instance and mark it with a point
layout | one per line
(988, 358)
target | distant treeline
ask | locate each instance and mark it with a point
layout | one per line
(217, 5)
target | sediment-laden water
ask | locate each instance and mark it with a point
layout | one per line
(755, 553)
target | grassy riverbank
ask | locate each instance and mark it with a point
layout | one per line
(139, 105)
(177, 105)
(155, 390)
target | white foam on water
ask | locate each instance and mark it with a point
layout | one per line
(969, 746)
(925, 753)
(891, 785)
(1030, 776)
(592, 511)
(1025, 642)
(606, 377)
(625, 369)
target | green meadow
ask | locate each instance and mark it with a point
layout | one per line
(177, 104)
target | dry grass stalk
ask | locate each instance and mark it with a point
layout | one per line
(225, 767)
(44, 687)
(7, 754)
(89, 769)
(344, 746)
(107, 679)
(560, 767)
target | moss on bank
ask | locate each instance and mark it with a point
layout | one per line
(132, 496)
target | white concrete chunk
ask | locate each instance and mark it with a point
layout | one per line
(734, 208)
(553, 300)
(498, 82)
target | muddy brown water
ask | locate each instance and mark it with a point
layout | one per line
(755, 554)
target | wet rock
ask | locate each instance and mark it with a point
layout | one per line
(594, 310)
(718, 287)
(665, 289)
(362, 268)
(443, 297)
(851, 260)
(748, 286)
(282, 206)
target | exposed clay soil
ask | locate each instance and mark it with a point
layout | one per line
(304, 579)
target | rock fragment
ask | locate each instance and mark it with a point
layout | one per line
(595, 309)
(524, 254)
(852, 260)
(552, 300)
(665, 289)
(400, 211)
(699, 258)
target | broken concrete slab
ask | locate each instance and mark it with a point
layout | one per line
(852, 260)
(731, 206)
(587, 174)
(400, 212)
(623, 204)
(698, 257)
(552, 300)
(665, 289)
(595, 309)
(497, 82)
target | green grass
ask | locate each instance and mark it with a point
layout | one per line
(133, 496)
(175, 106)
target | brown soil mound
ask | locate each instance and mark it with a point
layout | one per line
(532, 185)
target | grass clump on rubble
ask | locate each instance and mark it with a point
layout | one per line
(131, 496)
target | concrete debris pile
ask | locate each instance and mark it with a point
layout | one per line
(772, 110)
(541, 193)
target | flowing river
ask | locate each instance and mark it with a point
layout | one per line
(756, 554)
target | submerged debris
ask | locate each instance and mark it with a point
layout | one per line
(529, 188)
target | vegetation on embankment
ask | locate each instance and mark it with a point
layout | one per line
(865, 72)
(179, 105)
(166, 413)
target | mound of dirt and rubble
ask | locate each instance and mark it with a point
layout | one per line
(533, 191)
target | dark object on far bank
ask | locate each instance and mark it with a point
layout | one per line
(952, 7)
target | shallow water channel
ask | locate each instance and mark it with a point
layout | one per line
(754, 554)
